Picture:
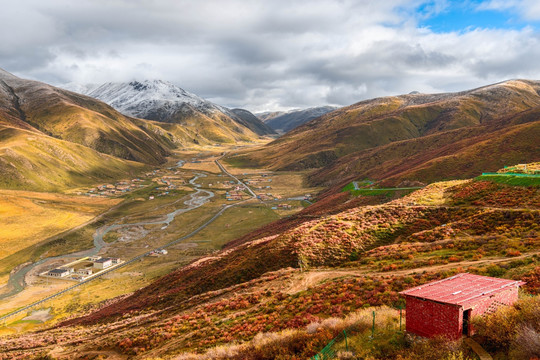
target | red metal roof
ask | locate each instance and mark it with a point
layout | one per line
(461, 289)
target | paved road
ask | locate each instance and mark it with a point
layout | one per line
(141, 256)
(222, 168)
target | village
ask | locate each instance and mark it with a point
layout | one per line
(83, 269)
(167, 182)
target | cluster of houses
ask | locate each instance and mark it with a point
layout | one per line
(82, 269)
(236, 194)
(268, 197)
(158, 252)
(256, 181)
(115, 189)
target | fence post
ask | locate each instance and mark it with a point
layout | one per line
(373, 326)
(400, 316)
(346, 343)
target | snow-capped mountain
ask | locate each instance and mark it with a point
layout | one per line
(161, 101)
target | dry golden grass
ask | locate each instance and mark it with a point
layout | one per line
(206, 165)
(28, 217)
(291, 184)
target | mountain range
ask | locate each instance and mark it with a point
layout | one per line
(288, 289)
(284, 121)
(51, 138)
(414, 137)
(167, 103)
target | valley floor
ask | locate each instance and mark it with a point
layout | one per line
(283, 291)
(145, 219)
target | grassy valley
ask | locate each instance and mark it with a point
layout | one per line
(272, 251)
(328, 267)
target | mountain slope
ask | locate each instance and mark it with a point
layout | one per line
(51, 138)
(286, 121)
(31, 160)
(389, 131)
(327, 267)
(76, 118)
(164, 102)
(252, 122)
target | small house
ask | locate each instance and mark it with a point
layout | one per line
(85, 271)
(103, 263)
(58, 273)
(445, 307)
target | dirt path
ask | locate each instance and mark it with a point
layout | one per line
(304, 280)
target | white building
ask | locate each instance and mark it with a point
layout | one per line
(59, 273)
(103, 263)
(85, 271)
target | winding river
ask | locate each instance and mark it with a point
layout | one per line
(17, 278)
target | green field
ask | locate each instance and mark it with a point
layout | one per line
(521, 180)
(374, 191)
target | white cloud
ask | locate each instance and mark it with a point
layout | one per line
(527, 9)
(260, 54)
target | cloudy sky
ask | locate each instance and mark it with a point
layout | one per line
(278, 54)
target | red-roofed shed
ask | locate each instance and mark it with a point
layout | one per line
(444, 307)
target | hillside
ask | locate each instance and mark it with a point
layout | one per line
(413, 137)
(353, 259)
(51, 139)
(288, 120)
(252, 122)
(64, 115)
(31, 160)
(164, 102)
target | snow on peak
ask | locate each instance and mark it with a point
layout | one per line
(150, 99)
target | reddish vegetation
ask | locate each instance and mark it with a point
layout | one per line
(490, 194)
(252, 288)
(327, 205)
(532, 279)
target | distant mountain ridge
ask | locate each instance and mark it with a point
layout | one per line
(417, 137)
(284, 121)
(165, 102)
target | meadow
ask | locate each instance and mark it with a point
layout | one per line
(28, 218)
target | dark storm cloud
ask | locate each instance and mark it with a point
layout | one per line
(260, 54)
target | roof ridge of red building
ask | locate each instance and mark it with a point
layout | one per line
(460, 291)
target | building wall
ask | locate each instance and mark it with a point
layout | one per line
(103, 265)
(430, 319)
(489, 304)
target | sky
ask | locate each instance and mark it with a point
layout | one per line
(275, 55)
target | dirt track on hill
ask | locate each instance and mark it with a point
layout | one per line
(304, 280)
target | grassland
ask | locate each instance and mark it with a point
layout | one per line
(512, 180)
(236, 222)
(30, 217)
(357, 258)
(366, 188)
(133, 240)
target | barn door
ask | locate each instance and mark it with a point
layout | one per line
(466, 319)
